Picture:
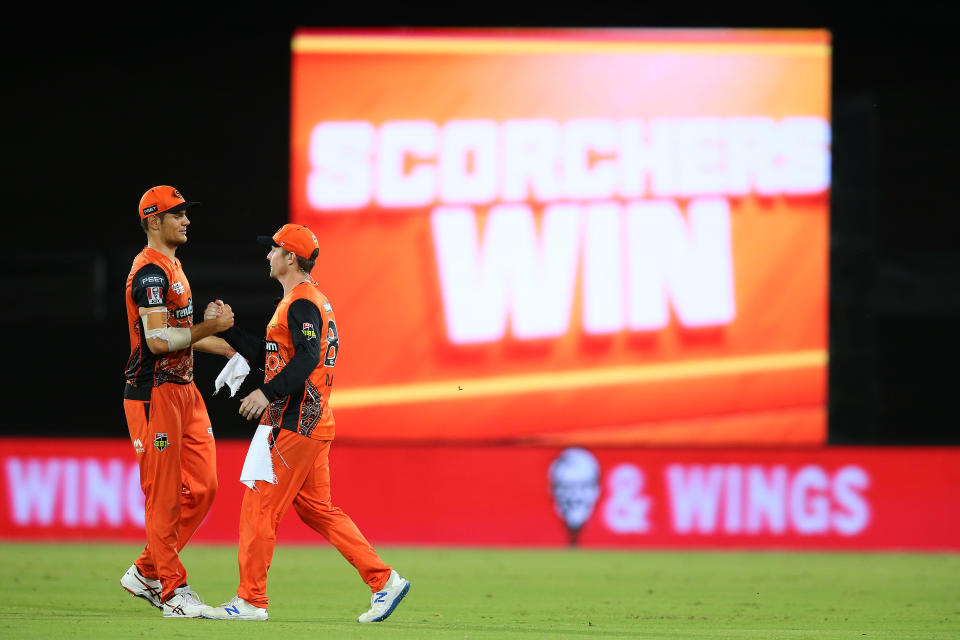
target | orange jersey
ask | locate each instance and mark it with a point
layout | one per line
(156, 281)
(303, 327)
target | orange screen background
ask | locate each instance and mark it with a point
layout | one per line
(760, 379)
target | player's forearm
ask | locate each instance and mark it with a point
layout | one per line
(215, 345)
(250, 346)
(170, 339)
(203, 330)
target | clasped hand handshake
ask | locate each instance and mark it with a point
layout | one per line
(252, 406)
(221, 313)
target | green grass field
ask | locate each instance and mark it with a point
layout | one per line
(73, 591)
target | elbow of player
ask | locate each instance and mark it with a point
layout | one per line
(157, 346)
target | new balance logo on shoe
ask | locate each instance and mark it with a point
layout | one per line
(235, 609)
(383, 603)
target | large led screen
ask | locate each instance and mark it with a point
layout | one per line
(593, 237)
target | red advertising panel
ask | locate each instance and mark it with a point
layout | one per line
(570, 236)
(803, 498)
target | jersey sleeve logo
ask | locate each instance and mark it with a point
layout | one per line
(154, 295)
(308, 331)
(327, 307)
(146, 281)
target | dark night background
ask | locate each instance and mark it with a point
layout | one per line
(101, 106)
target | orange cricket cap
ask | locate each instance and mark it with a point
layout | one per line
(162, 199)
(295, 238)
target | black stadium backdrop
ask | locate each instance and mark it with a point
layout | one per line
(99, 109)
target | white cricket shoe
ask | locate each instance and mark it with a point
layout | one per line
(236, 609)
(383, 602)
(185, 603)
(134, 582)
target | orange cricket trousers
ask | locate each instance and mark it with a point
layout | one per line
(178, 475)
(302, 468)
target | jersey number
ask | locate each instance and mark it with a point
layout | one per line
(333, 345)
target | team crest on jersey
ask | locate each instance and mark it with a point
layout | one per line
(308, 331)
(154, 295)
(177, 287)
(160, 441)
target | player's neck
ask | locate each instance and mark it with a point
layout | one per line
(291, 280)
(161, 247)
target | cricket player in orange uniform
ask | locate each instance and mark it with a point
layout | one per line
(299, 355)
(166, 416)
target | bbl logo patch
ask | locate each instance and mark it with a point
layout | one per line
(308, 331)
(160, 441)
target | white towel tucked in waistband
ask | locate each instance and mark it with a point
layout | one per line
(258, 464)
